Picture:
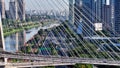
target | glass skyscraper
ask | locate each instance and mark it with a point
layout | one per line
(77, 7)
(71, 11)
(86, 7)
(115, 16)
(92, 10)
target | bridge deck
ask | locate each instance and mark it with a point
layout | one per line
(53, 60)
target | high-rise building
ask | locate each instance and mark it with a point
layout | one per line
(2, 8)
(87, 9)
(104, 2)
(98, 10)
(77, 17)
(21, 9)
(115, 16)
(91, 13)
(106, 16)
(71, 11)
(7, 14)
(77, 7)
(93, 9)
(12, 10)
(16, 9)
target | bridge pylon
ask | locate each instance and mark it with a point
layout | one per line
(2, 43)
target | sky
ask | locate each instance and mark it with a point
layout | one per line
(43, 4)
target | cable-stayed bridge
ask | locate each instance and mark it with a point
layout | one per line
(59, 41)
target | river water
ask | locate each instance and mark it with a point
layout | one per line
(15, 41)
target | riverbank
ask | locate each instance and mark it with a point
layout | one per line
(9, 31)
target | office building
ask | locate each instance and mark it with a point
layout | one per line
(115, 16)
(87, 9)
(106, 16)
(12, 10)
(77, 7)
(21, 9)
(77, 17)
(2, 8)
(92, 13)
(71, 11)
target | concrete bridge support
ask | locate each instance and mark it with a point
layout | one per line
(2, 43)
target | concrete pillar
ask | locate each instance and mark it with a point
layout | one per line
(24, 37)
(17, 42)
(1, 34)
(2, 38)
